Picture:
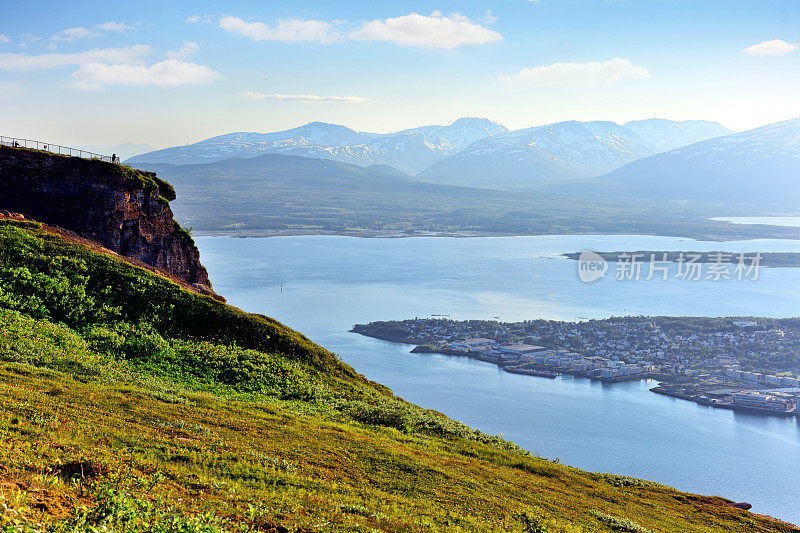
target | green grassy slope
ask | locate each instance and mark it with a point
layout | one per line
(130, 404)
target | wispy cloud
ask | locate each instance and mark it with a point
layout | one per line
(288, 30)
(114, 26)
(187, 49)
(195, 19)
(27, 39)
(413, 30)
(126, 54)
(305, 97)
(4, 38)
(775, 47)
(579, 74)
(434, 31)
(167, 73)
(74, 34)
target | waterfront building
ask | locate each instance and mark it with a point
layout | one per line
(757, 401)
(470, 343)
(520, 349)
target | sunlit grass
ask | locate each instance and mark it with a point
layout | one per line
(129, 404)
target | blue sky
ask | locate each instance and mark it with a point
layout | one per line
(166, 73)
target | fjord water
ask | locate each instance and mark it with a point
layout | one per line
(322, 285)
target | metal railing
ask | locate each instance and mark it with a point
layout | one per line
(17, 142)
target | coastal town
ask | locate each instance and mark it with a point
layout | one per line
(743, 364)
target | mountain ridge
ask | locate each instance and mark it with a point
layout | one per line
(445, 154)
(408, 150)
(564, 150)
(761, 164)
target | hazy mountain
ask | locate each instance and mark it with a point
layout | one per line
(545, 153)
(669, 134)
(410, 150)
(762, 164)
(123, 151)
(279, 191)
(276, 191)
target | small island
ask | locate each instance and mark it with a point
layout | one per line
(764, 259)
(739, 363)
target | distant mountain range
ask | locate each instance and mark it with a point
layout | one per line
(471, 151)
(666, 135)
(409, 151)
(563, 151)
(568, 158)
(759, 165)
(526, 157)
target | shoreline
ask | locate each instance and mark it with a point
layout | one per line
(405, 234)
(524, 369)
(529, 369)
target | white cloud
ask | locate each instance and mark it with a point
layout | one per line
(580, 74)
(288, 30)
(167, 73)
(775, 47)
(187, 49)
(205, 19)
(4, 38)
(74, 34)
(114, 26)
(126, 54)
(434, 31)
(305, 97)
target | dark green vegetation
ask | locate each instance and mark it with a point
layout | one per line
(129, 404)
(278, 192)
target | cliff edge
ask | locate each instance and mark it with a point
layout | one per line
(123, 209)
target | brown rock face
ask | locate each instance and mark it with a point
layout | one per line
(125, 210)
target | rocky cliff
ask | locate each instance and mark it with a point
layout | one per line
(123, 209)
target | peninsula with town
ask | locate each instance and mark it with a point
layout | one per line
(738, 363)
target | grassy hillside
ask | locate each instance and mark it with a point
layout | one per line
(130, 404)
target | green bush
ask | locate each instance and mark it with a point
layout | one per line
(386, 415)
(619, 524)
(48, 277)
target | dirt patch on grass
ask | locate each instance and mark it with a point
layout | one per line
(81, 470)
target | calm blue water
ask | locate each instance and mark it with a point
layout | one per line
(330, 283)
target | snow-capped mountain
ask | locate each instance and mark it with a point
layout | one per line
(670, 134)
(762, 164)
(309, 140)
(545, 153)
(409, 150)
